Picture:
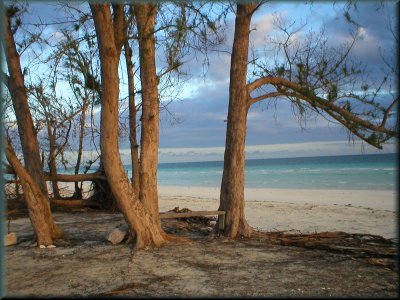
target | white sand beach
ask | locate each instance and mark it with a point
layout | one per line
(211, 266)
(298, 210)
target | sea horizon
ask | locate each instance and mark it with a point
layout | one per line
(347, 172)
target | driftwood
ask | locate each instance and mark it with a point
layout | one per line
(61, 177)
(189, 215)
(75, 177)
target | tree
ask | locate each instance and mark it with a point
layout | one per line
(139, 219)
(132, 112)
(145, 15)
(316, 79)
(37, 202)
(16, 86)
(78, 62)
(27, 134)
(56, 116)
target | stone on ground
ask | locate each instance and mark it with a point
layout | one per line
(117, 236)
(10, 239)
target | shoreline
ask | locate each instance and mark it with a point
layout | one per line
(374, 199)
(295, 210)
(299, 211)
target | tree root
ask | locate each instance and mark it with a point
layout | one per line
(376, 249)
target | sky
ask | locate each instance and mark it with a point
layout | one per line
(197, 130)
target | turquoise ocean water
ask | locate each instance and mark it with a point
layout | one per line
(370, 172)
(347, 172)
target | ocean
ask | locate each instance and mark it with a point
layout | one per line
(348, 172)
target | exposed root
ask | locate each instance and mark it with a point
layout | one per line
(375, 248)
(177, 239)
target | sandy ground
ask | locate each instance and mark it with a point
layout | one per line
(353, 211)
(86, 264)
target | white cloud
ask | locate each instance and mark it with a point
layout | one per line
(262, 26)
(272, 151)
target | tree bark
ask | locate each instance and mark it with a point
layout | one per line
(52, 160)
(78, 190)
(26, 130)
(132, 120)
(136, 215)
(232, 185)
(145, 15)
(37, 202)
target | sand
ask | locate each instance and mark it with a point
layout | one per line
(298, 210)
(86, 264)
(305, 211)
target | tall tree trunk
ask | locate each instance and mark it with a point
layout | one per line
(52, 160)
(132, 119)
(35, 199)
(78, 190)
(140, 222)
(26, 130)
(232, 186)
(149, 139)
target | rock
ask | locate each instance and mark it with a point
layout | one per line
(117, 236)
(10, 239)
(123, 227)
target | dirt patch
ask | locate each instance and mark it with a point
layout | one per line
(86, 264)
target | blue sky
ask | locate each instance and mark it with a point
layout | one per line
(272, 131)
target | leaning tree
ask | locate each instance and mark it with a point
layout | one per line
(32, 178)
(315, 78)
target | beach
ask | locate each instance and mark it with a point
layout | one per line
(299, 210)
(294, 210)
(212, 265)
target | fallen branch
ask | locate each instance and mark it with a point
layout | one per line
(373, 247)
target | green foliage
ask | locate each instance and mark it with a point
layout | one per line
(373, 139)
(344, 70)
(300, 66)
(12, 10)
(280, 71)
(212, 26)
(332, 92)
(364, 87)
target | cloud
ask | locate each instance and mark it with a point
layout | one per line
(262, 27)
(373, 35)
(283, 150)
(204, 104)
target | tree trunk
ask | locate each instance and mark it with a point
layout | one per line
(26, 130)
(78, 190)
(149, 139)
(27, 133)
(232, 186)
(136, 215)
(132, 119)
(52, 160)
(37, 203)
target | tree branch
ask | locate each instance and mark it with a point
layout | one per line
(344, 116)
